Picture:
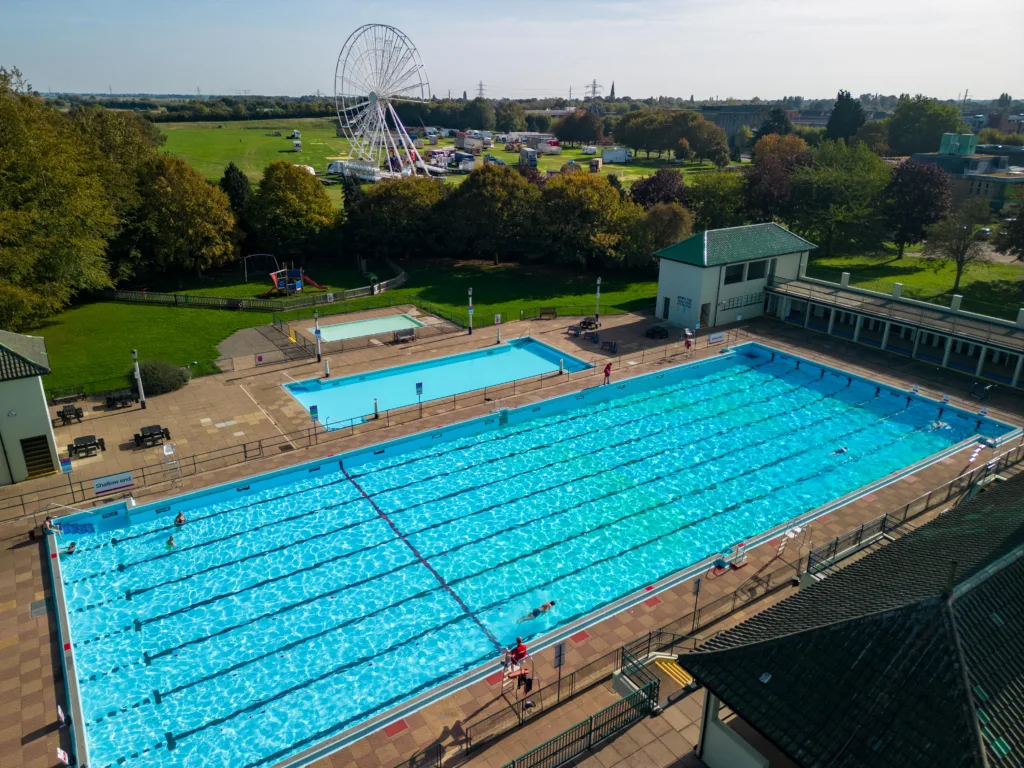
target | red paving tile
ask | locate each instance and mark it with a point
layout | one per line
(580, 636)
(493, 679)
(650, 602)
(396, 728)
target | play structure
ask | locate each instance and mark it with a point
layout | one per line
(289, 281)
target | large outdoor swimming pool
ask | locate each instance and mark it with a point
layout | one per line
(296, 606)
(340, 402)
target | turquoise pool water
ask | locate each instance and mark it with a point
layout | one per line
(340, 402)
(340, 331)
(294, 610)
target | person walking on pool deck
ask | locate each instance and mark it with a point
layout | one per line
(608, 374)
(180, 519)
(538, 611)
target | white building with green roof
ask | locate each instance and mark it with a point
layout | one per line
(27, 445)
(719, 276)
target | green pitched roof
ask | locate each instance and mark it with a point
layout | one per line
(734, 244)
(911, 656)
(22, 356)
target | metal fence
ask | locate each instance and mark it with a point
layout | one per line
(428, 758)
(821, 558)
(260, 304)
(586, 735)
(493, 726)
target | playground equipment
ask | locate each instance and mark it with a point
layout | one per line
(378, 65)
(259, 264)
(289, 280)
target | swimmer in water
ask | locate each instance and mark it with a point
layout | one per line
(840, 450)
(170, 543)
(180, 519)
(72, 547)
(939, 425)
(538, 611)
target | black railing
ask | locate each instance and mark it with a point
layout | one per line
(426, 758)
(820, 558)
(588, 734)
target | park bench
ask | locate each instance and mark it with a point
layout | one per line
(547, 313)
(405, 334)
(610, 346)
(120, 398)
(86, 445)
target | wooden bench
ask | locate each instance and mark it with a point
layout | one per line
(547, 313)
(405, 334)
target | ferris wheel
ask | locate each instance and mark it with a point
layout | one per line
(378, 66)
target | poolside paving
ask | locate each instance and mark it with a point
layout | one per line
(31, 686)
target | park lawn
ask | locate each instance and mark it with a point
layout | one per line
(987, 287)
(93, 342)
(209, 147)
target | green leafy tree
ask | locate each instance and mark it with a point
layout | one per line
(291, 214)
(954, 238)
(707, 141)
(55, 213)
(582, 126)
(917, 125)
(784, 148)
(398, 218)
(744, 139)
(611, 93)
(538, 123)
(616, 183)
(917, 196)
(636, 131)
(1010, 239)
(510, 116)
(716, 200)
(581, 220)
(812, 135)
(994, 136)
(181, 222)
(493, 211)
(235, 184)
(846, 119)
(1004, 102)
(875, 135)
(776, 121)
(837, 199)
(645, 232)
(479, 114)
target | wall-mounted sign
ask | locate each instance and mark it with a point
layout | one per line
(112, 483)
(716, 338)
(683, 302)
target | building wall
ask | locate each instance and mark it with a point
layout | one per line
(26, 399)
(689, 288)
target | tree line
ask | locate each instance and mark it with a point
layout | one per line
(89, 202)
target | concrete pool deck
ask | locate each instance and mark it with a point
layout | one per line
(31, 686)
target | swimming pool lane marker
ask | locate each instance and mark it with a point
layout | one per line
(490, 635)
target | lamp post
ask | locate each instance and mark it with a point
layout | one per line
(597, 302)
(138, 379)
(316, 333)
(470, 311)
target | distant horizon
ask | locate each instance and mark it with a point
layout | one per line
(647, 47)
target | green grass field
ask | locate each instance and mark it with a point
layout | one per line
(94, 342)
(211, 146)
(232, 285)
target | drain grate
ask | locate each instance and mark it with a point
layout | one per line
(39, 608)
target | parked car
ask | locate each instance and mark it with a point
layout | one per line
(983, 234)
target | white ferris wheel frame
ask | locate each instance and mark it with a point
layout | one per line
(378, 65)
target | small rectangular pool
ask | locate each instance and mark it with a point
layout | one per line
(340, 402)
(368, 327)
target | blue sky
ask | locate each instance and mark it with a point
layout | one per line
(741, 48)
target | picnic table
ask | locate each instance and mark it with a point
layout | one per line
(121, 397)
(67, 414)
(590, 322)
(86, 445)
(154, 434)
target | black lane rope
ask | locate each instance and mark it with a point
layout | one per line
(483, 510)
(677, 497)
(249, 505)
(172, 740)
(423, 561)
(129, 593)
(471, 514)
(599, 409)
(121, 567)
